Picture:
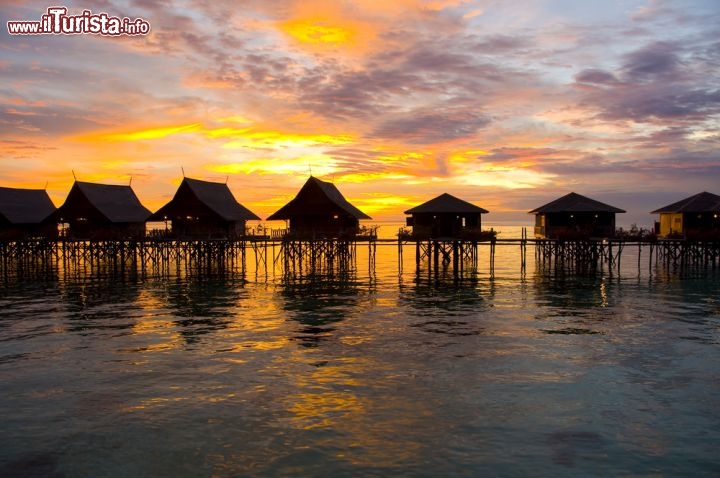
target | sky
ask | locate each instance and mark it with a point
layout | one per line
(507, 105)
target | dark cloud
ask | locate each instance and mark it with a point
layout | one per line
(355, 94)
(661, 102)
(46, 121)
(505, 44)
(596, 77)
(655, 61)
(429, 126)
(510, 154)
(654, 84)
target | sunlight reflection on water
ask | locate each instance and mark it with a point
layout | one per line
(371, 373)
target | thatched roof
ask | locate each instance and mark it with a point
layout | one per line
(25, 206)
(446, 203)
(216, 196)
(118, 204)
(702, 202)
(317, 196)
(574, 202)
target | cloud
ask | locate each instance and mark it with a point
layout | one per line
(653, 62)
(407, 95)
(431, 125)
(652, 85)
(594, 76)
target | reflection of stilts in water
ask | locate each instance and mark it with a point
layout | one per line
(328, 257)
(445, 256)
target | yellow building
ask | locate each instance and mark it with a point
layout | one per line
(696, 217)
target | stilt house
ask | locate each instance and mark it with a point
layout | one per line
(445, 216)
(204, 209)
(102, 211)
(696, 217)
(25, 213)
(574, 216)
(320, 210)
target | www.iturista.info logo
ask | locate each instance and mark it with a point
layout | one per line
(58, 22)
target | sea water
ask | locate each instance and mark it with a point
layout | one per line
(378, 371)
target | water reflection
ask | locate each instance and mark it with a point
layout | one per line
(448, 307)
(99, 302)
(318, 302)
(202, 304)
(572, 304)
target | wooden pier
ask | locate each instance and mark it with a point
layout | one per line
(298, 256)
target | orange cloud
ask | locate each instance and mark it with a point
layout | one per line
(143, 134)
(324, 27)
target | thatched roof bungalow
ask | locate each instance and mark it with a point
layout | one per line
(695, 217)
(574, 216)
(102, 211)
(26, 213)
(204, 209)
(320, 210)
(445, 216)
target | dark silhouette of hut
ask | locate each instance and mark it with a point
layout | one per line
(320, 210)
(25, 213)
(574, 216)
(204, 209)
(695, 217)
(102, 211)
(445, 216)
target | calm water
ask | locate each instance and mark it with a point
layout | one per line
(368, 373)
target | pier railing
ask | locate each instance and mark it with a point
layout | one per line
(436, 254)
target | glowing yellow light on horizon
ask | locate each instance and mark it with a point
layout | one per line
(317, 30)
(246, 137)
(150, 133)
(235, 119)
(371, 177)
(238, 137)
(380, 203)
(321, 165)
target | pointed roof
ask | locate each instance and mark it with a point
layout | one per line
(25, 206)
(216, 196)
(702, 202)
(574, 202)
(446, 203)
(301, 204)
(117, 203)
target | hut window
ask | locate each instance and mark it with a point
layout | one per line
(189, 218)
(335, 216)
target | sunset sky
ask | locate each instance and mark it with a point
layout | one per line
(506, 104)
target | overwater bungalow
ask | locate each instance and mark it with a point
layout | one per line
(25, 213)
(320, 210)
(696, 217)
(574, 216)
(102, 211)
(204, 209)
(445, 217)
